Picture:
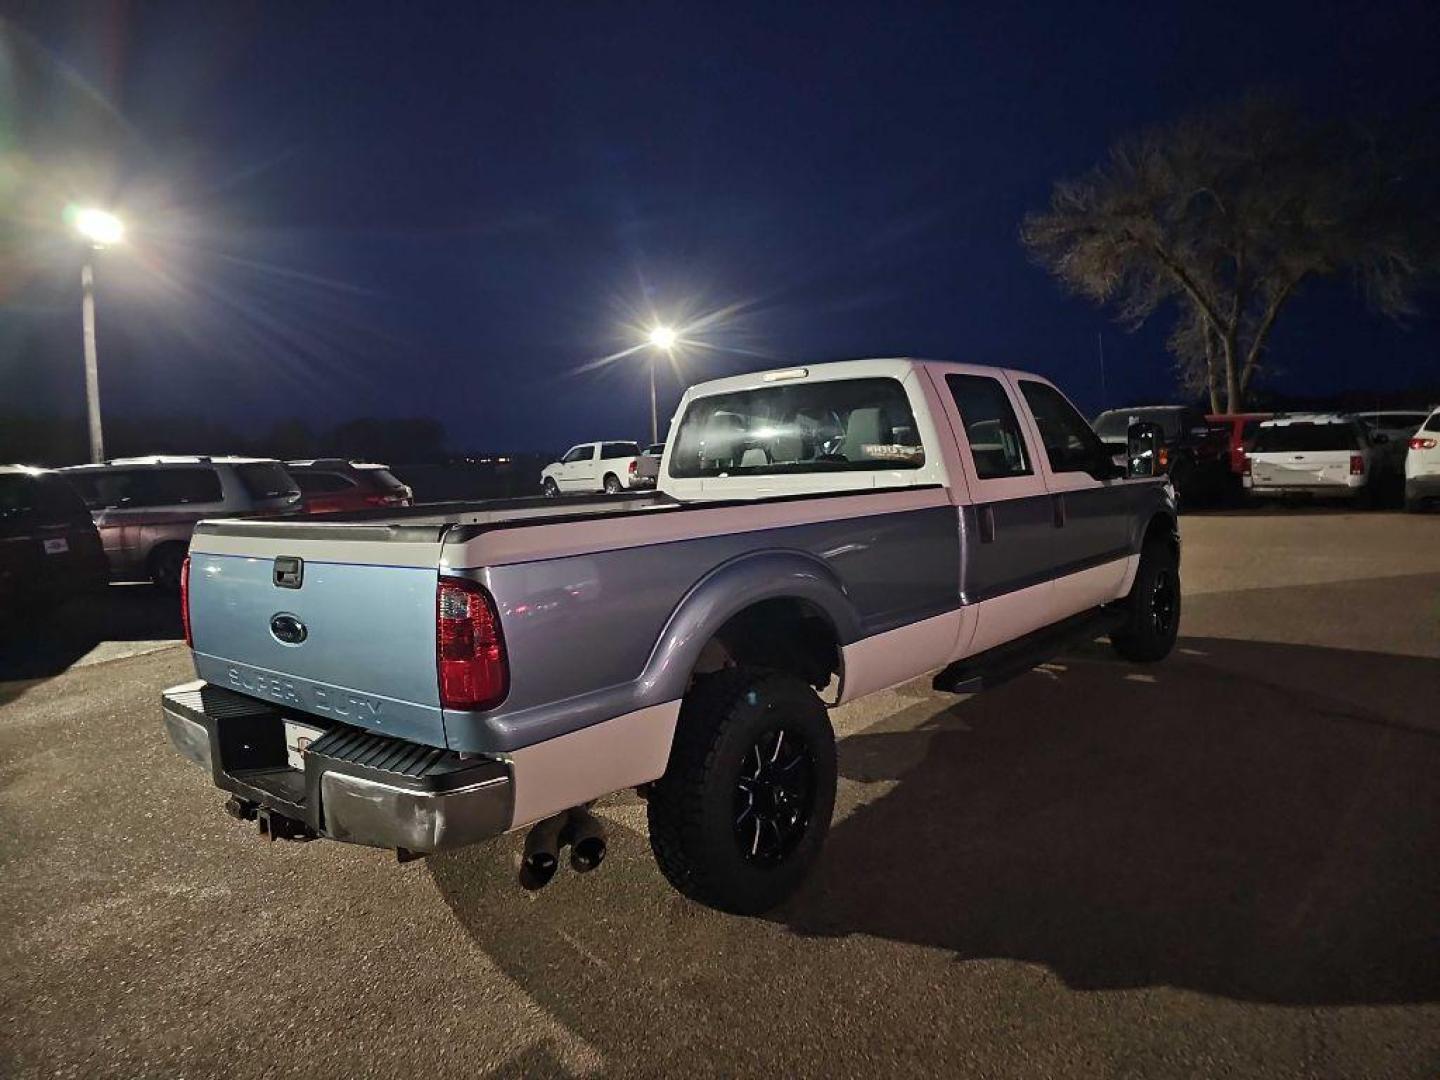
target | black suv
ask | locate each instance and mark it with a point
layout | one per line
(49, 547)
(1192, 451)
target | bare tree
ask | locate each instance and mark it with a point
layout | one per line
(1226, 214)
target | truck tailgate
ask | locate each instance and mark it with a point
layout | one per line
(337, 620)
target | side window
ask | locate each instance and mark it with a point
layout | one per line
(318, 483)
(579, 453)
(165, 487)
(991, 427)
(619, 450)
(1070, 443)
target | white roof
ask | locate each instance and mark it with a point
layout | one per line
(1309, 418)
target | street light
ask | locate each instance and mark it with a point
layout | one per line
(663, 338)
(99, 229)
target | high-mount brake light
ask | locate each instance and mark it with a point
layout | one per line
(470, 661)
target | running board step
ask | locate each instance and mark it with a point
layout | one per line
(1004, 662)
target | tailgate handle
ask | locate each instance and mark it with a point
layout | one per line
(289, 572)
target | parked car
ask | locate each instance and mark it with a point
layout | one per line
(611, 467)
(1235, 434)
(49, 548)
(334, 485)
(1190, 452)
(647, 465)
(453, 676)
(146, 507)
(1314, 454)
(1396, 426)
(1422, 464)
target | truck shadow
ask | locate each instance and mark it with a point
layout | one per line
(1217, 823)
(39, 647)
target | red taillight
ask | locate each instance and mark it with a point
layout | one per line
(185, 601)
(469, 651)
(1417, 443)
(1164, 457)
(1357, 465)
(1245, 464)
(633, 467)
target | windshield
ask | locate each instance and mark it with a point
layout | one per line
(844, 425)
(266, 480)
(1113, 425)
(1277, 438)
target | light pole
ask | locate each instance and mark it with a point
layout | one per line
(98, 229)
(663, 338)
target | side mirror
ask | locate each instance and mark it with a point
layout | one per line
(1143, 442)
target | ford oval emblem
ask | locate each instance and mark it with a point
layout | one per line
(287, 629)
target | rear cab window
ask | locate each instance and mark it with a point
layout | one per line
(834, 426)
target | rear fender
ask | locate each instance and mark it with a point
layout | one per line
(728, 590)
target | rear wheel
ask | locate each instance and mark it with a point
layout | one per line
(165, 564)
(744, 806)
(1153, 607)
(612, 484)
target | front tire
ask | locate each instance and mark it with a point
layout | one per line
(1153, 608)
(744, 806)
(549, 488)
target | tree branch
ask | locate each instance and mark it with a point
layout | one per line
(1252, 355)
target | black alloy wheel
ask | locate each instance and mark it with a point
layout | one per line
(774, 796)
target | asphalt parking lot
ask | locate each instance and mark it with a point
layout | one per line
(1226, 864)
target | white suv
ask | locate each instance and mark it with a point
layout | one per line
(1422, 464)
(1324, 454)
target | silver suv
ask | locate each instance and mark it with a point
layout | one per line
(146, 508)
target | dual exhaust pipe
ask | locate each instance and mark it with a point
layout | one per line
(578, 829)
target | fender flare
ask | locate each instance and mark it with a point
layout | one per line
(726, 591)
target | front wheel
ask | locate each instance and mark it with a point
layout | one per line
(1152, 619)
(550, 489)
(744, 806)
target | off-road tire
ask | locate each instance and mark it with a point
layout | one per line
(694, 830)
(1152, 608)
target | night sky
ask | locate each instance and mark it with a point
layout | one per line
(452, 209)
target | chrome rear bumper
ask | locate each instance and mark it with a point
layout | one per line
(356, 786)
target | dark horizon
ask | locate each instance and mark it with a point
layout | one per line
(363, 212)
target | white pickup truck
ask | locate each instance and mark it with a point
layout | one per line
(421, 680)
(609, 467)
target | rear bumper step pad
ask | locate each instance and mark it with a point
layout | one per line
(356, 786)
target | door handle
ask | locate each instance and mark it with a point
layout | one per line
(1057, 507)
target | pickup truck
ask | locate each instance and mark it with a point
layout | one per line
(428, 678)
